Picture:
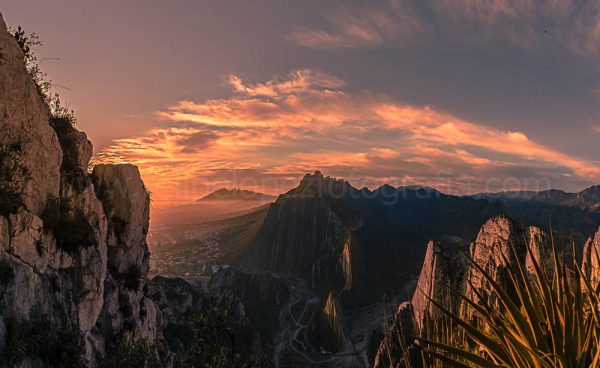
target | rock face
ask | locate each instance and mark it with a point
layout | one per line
(591, 259)
(127, 206)
(541, 252)
(73, 253)
(446, 264)
(300, 234)
(177, 301)
(403, 328)
(444, 269)
(493, 253)
(253, 302)
(24, 125)
(246, 297)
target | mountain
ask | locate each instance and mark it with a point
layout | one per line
(236, 195)
(574, 215)
(357, 251)
(588, 199)
(386, 231)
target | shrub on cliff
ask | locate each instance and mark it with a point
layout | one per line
(127, 352)
(53, 345)
(62, 120)
(71, 228)
(11, 170)
(132, 279)
(212, 345)
(27, 42)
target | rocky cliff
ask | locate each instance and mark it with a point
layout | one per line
(493, 252)
(444, 269)
(591, 259)
(449, 268)
(73, 253)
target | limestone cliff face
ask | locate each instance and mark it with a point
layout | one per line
(403, 329)
(443, 270)
(301, 234)
(446, 264)
(541, 252)
(492, 252)
(591, 259)
(24, 124)
(73, 251)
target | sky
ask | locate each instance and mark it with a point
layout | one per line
(465, 96)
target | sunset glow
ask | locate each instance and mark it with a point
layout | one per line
(267, 135)
(465, 97)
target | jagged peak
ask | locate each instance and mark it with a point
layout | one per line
(318, 185)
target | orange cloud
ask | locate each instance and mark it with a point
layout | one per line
(272, 133)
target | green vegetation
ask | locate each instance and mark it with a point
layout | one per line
(62, 120)
(552, 321)
(28, 42)
(71, 227)
(10, 170)
(54, 345)
(127, 352)
(212, 345)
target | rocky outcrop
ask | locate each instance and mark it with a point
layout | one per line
(500, 244)
(443, 273)
(401, 334)
(497, 247)
(540, 253)
(73, 253)
(591, 259)
(127, 206)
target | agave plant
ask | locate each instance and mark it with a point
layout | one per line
(549, 319)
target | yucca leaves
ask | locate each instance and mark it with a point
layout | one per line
(542, 318)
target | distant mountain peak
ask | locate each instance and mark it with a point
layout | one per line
(236, 194)
(317, 185)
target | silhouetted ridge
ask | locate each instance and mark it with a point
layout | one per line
(236, 194)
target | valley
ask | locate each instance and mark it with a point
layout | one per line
(196, 250)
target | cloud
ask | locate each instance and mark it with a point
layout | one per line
(197, 141)
(366, 26)
(266, 135)
(529, 24)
